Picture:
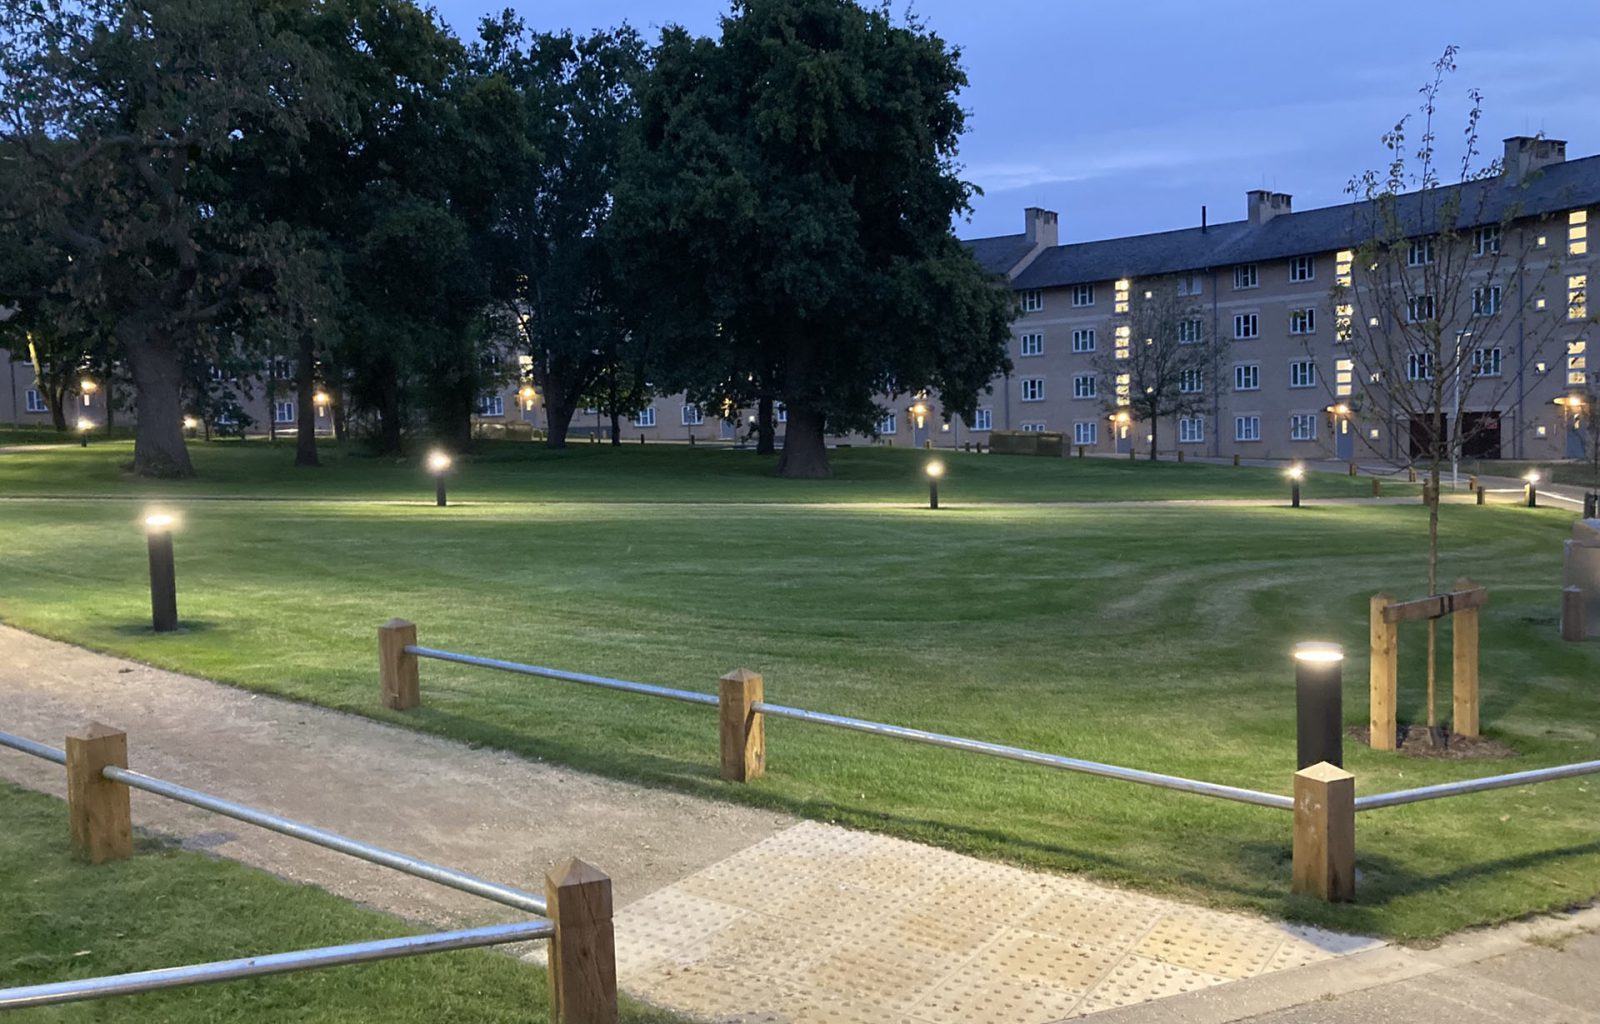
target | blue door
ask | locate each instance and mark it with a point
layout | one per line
(1344, 440)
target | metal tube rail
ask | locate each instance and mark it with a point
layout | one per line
(1071, 764)
(274, 963)
(687, 696)
(405, 863)
(1421, 793)
(28, 746)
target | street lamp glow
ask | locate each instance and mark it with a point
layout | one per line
(935, 470)
(1297, 472)
(1318, 652)
(190, 423)
(438, 462)
(159, 521)
(1532, 477)
(88, 386)
(320, 398)
(84, 423)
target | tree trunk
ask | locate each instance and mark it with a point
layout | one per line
(341, 426)
(305, 385)
(766, 429)
(559, 406)
(158, 448)
(56, 402)
(1155, 434)
(805, 456)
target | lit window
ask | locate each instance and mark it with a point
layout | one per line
(1083, 340)
(1124, 388)
(1344, 377)
(1245, 276)
(1577, 232)
(1123, 338)
(1374, 434)
(283, 412)
(1085, 433)
(1191, 429)
(35, 401)
(1577, 297)
(1421, 253)
(1085, 385)
(1303, 426)
(1302, 268)
(1486, 240)
(1247, 377)
(1246, 325)
(1032, 300)
(1343, 260)
(1191, 331)
(1577, 362)
(1541, 431)
(1032, 344)
(491, 405)
(1033, 389)
(1191, 382)
(645, 417)
(1302, 374)
(1419, 366)
(983, 419)
(1120, 299)
(1486, 362)
(691, 415)
(1083, 295)
(1303, 321)
(1247, 428)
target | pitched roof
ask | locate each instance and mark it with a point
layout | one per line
(1553, 189)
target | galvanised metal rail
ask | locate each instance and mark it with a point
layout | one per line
(274, 963)
(1071, 764)
(1446, 789)
(299, 960)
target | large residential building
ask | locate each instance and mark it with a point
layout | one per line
(1285, 385)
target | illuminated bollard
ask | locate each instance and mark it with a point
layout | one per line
(1296, 474)
(1530, 490)
(163, 575)
(439, 465)
(1319, 704)
(84, 426)
(935, 470)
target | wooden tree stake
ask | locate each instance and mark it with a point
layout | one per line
(1383, 674)
(1325, 833)
(1572, 613)
(583, 960)
(744, 734)
(1377, 488)
(397, 667)
(1464, 665)
(102, 823)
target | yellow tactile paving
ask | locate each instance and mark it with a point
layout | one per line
(822, 925)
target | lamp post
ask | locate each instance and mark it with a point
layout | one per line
(935, 470)
(85, 424)
(1296, 473)
(1319, 704)
(438, 465)
(163, 577)
(1530, 490)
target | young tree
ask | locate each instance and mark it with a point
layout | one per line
(1441, 308)
(786, 203)
(119, 112)
(1163, 365)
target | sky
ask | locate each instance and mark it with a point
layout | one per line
(1126, 117)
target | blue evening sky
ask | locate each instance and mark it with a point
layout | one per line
(1126, 117)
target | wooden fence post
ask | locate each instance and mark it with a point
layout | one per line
(1180, 454)
(1411, 474)
(1572, 613)
(1464, 665)
(102, 824)
(1235, 458)
(583, 957)
(1325, 833)
(1383, 672)
(397, 667)
(1352, 469)
(744, 733)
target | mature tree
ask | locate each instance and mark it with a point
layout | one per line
(119, 112)
(1441, 309)
(553, 277)
(37, 330)
(1162, 366)
(787, 203)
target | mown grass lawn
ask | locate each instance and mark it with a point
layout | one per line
(1155, 637)
(65, 920)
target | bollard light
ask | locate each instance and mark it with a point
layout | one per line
(935, 470)
(163, 578)
(438, 465)
(1530, 491)
(84, 426)
(1319, 704)
(1297, 472)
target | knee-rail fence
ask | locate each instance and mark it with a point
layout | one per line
(1324, 802)
(574, 914)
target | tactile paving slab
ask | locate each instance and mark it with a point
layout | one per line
(822, 925)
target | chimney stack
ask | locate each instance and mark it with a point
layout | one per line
(1039, 227)
(1264, 205)
(1527, 153)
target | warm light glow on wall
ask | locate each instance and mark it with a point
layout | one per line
(1577, 232)
(1120, 300)
(1344, 376)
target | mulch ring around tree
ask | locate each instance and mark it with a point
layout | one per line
(1414, 742)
